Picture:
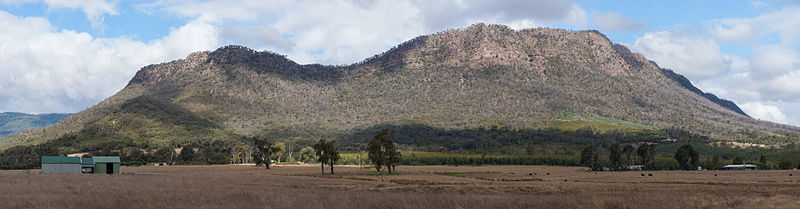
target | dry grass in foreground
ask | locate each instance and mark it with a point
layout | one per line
(237, 186)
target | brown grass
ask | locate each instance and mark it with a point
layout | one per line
(418, 187)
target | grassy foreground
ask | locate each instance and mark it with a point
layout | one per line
(241, 186)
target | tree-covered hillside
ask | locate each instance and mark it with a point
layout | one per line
(482, 87)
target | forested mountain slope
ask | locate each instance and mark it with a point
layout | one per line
(451, 90)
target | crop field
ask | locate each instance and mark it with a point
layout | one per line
(297, 186)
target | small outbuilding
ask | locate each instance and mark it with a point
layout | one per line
(106, 164)
(96, 164)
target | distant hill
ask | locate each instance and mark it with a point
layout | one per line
(12, 122)
(476, 87)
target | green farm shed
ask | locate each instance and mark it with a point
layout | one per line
(106, 164)
(59, 164)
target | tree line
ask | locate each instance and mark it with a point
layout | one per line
(614, 151)
(620, 158)
(382, 152)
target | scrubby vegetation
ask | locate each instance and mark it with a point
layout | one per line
(416, 187)
(428, 158)
(485, 90)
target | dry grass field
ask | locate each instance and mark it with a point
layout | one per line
(239, 186)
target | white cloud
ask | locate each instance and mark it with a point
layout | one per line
(791, 111)
(440, 15)
(758, 3)
(737, 64)
(735, 33)
(256, 36)
(770, 61)
(781, 23)
(763, 84)
(522, 24)
(243, 10)
(764, 112)
(577, 16)
(95, 10)
(613, 21)
(46, 70)
(695, 57)
(343, 32)
(770, 74)
(785, 87)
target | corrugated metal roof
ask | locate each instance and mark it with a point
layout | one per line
(60, 160)
(87, 161)
(106, 159)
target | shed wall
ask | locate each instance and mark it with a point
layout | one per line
(61, 168)
(116, 168)
(102, 168)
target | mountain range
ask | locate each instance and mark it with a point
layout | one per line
(457, 86)
(14, 122)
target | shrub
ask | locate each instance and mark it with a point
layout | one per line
(786, 164)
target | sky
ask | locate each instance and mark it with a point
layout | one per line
(67, 55)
